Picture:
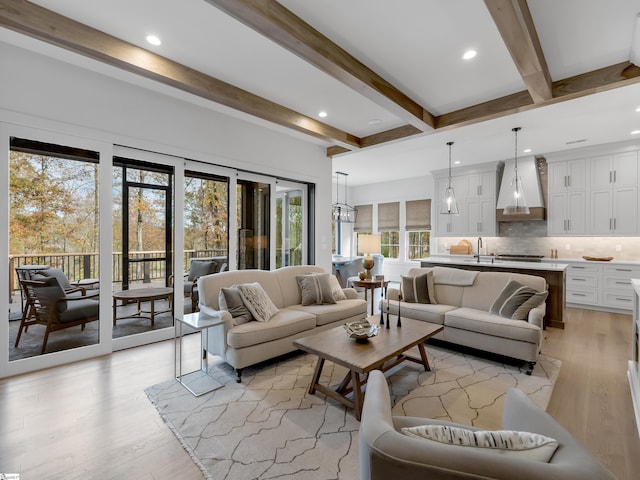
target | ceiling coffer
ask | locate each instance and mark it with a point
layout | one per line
(528, 171)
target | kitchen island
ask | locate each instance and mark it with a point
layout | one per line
(553, 273)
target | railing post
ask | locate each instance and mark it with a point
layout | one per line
(147, 271)
(86, 266)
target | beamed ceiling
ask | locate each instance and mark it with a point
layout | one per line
(389, 73)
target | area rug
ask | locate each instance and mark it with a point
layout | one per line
(269, 427)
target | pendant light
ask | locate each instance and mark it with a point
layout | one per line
(449, 204)
(517, 204)
(341, 211)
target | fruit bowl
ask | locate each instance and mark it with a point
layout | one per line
(361, 331)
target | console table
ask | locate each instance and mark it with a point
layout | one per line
(198, 382)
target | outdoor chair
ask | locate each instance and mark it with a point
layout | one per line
(198, 268)
(51, 306)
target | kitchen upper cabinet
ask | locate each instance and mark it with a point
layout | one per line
(568, 176)
(614, 194)
(481, 185)
(567, 213)
(476, 198)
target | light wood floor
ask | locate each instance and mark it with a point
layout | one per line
(92, 419)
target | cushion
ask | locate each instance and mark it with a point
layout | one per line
(336, 289)
(516, 300)
(59, 275)
(530, 446)
(51, 293)
(418, 289)
(315, 288)
(257, 301)
(231, 301)
(199, 268)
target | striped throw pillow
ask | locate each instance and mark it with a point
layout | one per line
(531, 446)
(316, 289)
(516, 300)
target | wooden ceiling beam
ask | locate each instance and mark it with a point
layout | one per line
(514, 22)
(280, 25)
(32, 20)
(596, 81)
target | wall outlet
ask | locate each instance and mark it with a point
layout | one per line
(618, 247)
(567, 246)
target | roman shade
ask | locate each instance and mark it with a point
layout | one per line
(418, 215)
(364, 218)
(388, 217)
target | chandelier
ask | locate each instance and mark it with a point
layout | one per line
(341, 211)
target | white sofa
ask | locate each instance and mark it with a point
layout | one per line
(253, 342)
(464, 299)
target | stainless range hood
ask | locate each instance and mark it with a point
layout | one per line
(528, 171)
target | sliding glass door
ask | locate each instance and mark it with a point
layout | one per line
(291, 224)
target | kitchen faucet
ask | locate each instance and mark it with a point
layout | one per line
(479, 247)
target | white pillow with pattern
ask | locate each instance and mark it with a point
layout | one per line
(257, 301)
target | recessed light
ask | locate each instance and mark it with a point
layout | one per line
(635, 132)
(638, 109)
(526, 150)
(457, 162)
(469, 54)
(153, 40)
(322, 114)
(374, 121)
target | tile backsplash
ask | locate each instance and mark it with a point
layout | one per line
(533, 243)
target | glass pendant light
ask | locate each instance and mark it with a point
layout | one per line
(449, 204)
(517, 204)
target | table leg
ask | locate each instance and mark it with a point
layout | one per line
(316, 375)
(114, 311)
(358, 397)
(153, 303)
(423, 356)
(373, 291)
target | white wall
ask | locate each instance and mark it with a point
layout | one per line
(42, 92)
(414, 188)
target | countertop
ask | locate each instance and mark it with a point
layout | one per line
(554, 265)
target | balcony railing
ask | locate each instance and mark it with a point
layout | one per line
(78, 266)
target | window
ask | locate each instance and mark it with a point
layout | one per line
(418, 245)
(389, 228)
(418, 226)
(390, 244)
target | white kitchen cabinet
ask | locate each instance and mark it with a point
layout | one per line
(480, 217)
(475, 193)
(600, 285)
(567, 176)
(581, 284)
(614, 194)
(617, 291)
(567, 212)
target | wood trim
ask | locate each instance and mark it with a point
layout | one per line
(280, 25)
(514, 22)
(37, 22)
(536, 213)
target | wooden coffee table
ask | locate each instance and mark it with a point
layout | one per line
(382, 352)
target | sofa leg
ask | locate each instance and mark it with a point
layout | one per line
(531, 365)
(239, 372)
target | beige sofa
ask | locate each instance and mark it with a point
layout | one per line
(253, 342)
(464, 299)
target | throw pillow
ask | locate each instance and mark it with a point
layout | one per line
(257, 301)
(315, 289)
(516, 300)
(231, 301)
(417, 289)
(531, 446)
(336, 289)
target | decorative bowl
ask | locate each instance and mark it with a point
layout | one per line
(361, 331)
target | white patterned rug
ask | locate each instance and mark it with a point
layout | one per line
(268, 426)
